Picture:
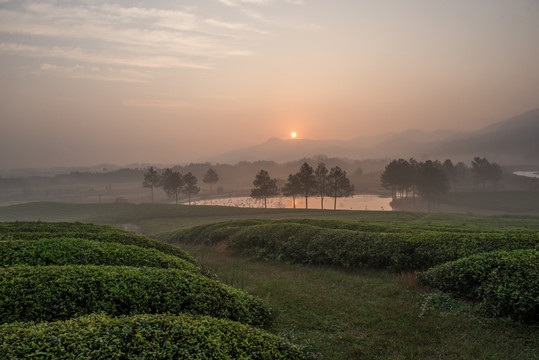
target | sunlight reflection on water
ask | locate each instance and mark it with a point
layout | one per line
(357, 202)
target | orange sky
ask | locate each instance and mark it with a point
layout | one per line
(84, 83)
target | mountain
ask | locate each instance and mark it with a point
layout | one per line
(512, 141)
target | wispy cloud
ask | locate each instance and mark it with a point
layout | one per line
(125, 37)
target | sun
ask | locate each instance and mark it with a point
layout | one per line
(293, 135)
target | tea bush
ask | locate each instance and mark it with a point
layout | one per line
(42, 230)
(143, 337)
(306, 244)
(35, 293)
(505, 282)
(66, 251)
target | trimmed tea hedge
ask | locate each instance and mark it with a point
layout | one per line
(43, 230)
(85, 252)
(143, 337)
(505, 282)
(306, 244)
(32, 293)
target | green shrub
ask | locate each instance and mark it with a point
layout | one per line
(42, 230)
(85, 252)
(32, 293)
(142, 337)
(505, 282)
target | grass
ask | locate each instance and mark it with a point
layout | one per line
(366, 314)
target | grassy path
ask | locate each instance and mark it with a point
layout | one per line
(367, 314)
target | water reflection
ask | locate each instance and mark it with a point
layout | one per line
(357, 202)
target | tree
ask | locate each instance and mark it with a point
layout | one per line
(210, 177)
(172, 183)
(398, 176)
(431, 181)
(321, 181)
(484, 171)
(264, 187)
(151, 179)
(307, 182)
(292, 187)
(190, 185)
(339, 185)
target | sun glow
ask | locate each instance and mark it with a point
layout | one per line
(293, 135)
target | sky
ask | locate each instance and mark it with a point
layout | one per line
(88, 82)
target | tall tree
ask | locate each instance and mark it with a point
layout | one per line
(210, 177)
(431, 181)
(485, 171)
(264, 187)
(339, 185)
(190, 185)
(321, 178)
(307, 182)
(398, 176)
(292, 187)
(152, 179)
(172, 183)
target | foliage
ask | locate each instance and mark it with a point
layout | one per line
(34, 293)
(338, 185)
(349, 244)
(24, 230)
(143, 337)
(210, 177)
(322, 182)
(152, 179)
(398, 176)
(172, 182)
(264, 186)
(190, 185)
(505, 282)
(66, 251)
(292, 187)
(485, 171)
(307, 181)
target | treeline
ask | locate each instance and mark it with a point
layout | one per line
(306, 182)
(429, 179)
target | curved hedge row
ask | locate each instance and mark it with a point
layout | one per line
(32, 293)
(43, 230)
(306, 244)
(142, 337)
(506, 282)
(85, 252)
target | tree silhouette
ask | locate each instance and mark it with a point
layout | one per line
(485, 171)
(172, 183)
(398, 176)
(307, 182)
(264, 187)
(210, 177)
(431, 181)
(339, 185)
(190, 186)
(321, 178)
(292, 187)
(151, 179)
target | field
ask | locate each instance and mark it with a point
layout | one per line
(342, 313)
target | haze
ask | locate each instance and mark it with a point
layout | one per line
(86, 82)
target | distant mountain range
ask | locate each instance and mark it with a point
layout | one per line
(512, 141)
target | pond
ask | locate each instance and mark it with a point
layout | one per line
(357, 202)
(533, 174)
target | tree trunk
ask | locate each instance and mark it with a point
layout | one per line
(321, 202)
(265, 205)
(294, 200)
(189, 195)
(176, 198)
(152, 192)
(335, 203)
(306, 201)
